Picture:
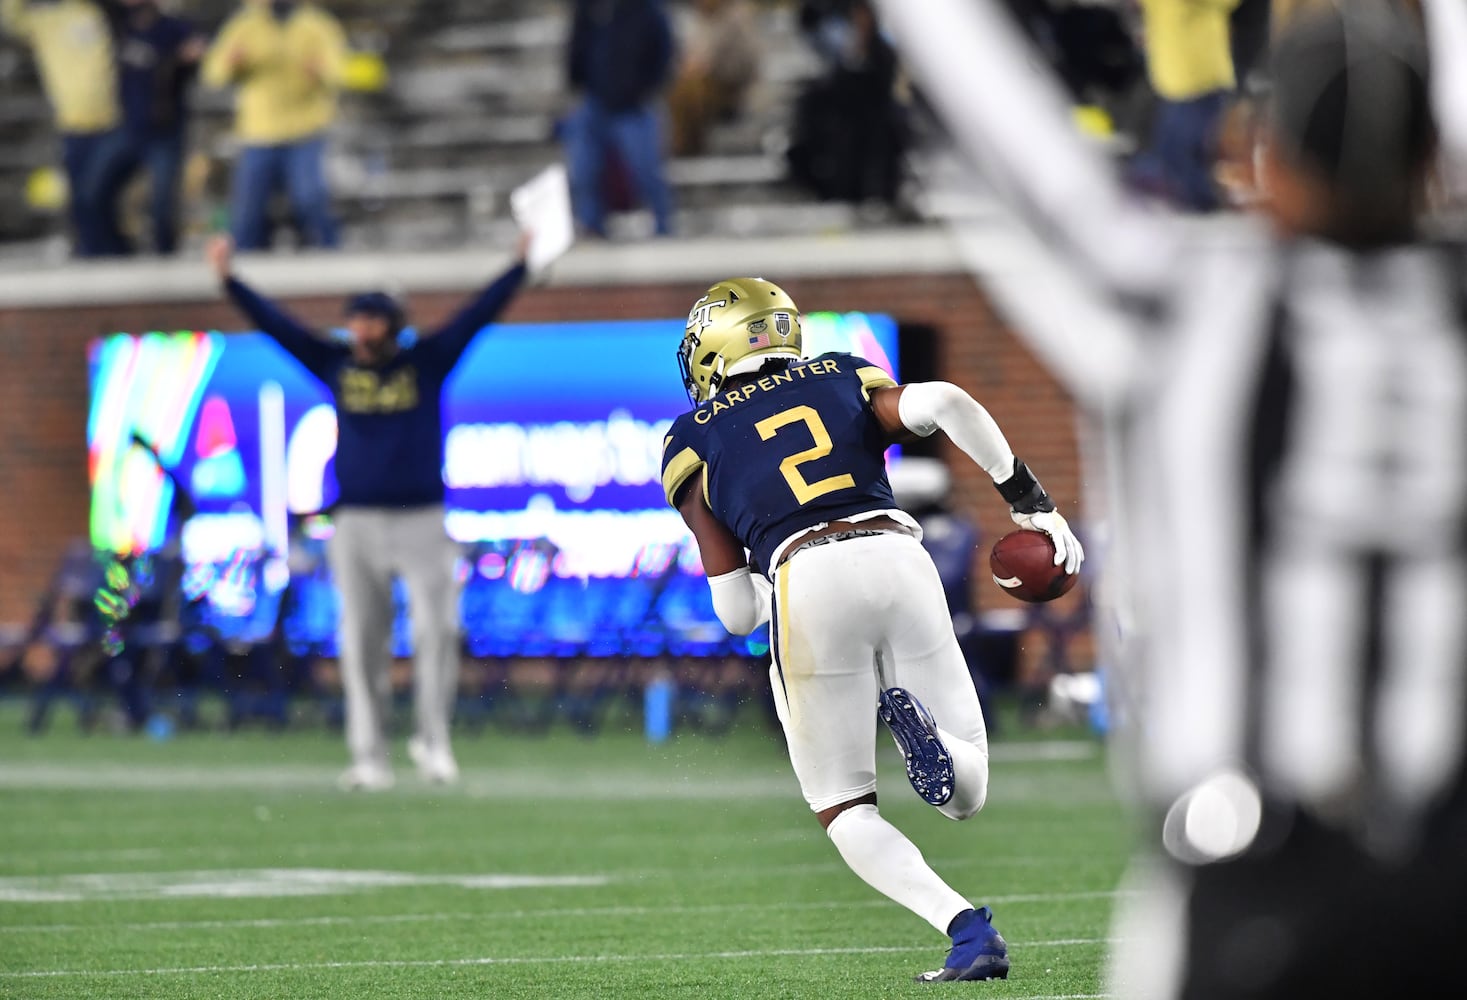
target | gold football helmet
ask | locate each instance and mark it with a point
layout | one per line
(733, 329)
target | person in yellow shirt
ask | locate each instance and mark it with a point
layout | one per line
(1190, 62)
(73, 50)
(285, 60)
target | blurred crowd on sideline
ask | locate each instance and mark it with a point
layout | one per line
(1167, 82)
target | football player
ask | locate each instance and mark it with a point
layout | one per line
(780, 473)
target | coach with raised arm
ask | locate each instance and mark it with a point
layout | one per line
(389, 515)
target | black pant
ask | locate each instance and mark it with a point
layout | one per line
(1321, 916)
(847, 142)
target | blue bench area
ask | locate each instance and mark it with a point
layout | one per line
(538, 649)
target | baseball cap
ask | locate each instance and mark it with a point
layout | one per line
(376, 304)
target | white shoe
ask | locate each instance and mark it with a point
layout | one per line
(366, 778)
(435, 765)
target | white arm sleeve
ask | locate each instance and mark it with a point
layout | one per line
(738, 600)
(926, 407)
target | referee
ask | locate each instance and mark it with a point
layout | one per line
(389, 513)
(1284, 401)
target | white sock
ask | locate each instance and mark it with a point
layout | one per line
(891, 864)
(970, 777)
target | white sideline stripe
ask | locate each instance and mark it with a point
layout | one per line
(582, 911)
(1044, 750)
(436, 963)
(479, 782)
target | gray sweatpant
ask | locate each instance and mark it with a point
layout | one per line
(370, 547)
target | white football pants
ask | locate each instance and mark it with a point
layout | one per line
(852, 618)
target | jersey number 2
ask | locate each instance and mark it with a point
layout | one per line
(790, 467)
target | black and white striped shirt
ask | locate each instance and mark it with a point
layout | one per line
(1286, 431)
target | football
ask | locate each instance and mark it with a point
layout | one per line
(1023, 565)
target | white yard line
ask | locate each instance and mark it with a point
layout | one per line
(261, 883)
(535, 914)
(428, 845)
(435, 963)
(70, 887)
(419, 845)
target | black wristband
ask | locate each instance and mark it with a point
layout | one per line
(1023, 492)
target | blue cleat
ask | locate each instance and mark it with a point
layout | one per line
(978, 951)
(929, 765)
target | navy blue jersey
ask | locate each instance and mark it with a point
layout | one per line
(786, 452)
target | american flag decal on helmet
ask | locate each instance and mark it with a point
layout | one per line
(761, 340)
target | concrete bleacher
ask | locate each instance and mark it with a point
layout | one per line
(469, 112)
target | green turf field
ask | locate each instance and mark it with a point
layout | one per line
(228, 866)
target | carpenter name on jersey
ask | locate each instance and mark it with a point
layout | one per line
(789, 450)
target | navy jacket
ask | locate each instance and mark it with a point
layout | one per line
(389, 449)
(620, 51)
(152, 83)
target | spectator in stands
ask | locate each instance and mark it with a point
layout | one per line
(73, 51)
(1090, 46)
(1190, 62)
(620, 56)
(157, 58)
(389, 513)
(849, 133)
(286, 59)
(720, 60)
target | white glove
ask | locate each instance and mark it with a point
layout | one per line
(1067, 548)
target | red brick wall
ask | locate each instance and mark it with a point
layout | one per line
(43, 393)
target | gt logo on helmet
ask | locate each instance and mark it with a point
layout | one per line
(701, 318)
